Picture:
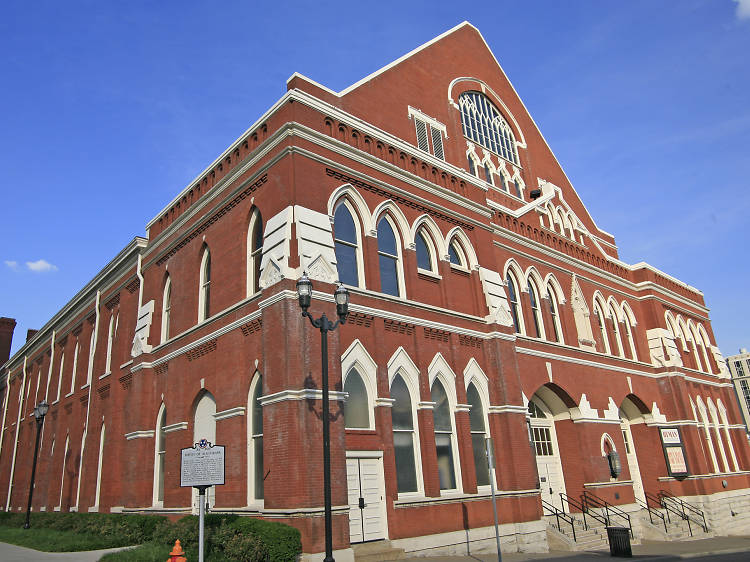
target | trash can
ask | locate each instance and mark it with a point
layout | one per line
(619, 541)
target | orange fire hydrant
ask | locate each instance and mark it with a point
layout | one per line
(177, 554)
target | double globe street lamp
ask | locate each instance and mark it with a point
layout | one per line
(39, 412)
(341, 296)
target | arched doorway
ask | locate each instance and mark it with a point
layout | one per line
(546, 450)
(631, 413)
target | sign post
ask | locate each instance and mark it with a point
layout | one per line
(491, 465)
(202, 466)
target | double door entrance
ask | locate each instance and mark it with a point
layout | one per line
(366, 486)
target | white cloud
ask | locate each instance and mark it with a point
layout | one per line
(40, 266)
(12, 264)
(743, 9)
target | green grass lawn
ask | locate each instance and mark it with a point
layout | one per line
(51, 540)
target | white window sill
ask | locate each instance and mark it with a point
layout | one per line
(105, 375)
(429, 273)
(69, 394)
(460, 268)
(55, 402)
(85, 386)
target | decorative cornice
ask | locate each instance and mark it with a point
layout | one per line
(143, 434)
(302, 394)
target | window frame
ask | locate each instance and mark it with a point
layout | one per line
(419, 492)
(253, 436)
(484, 124)
(358, 254)
(254, 255)
(514, 301)
(398, 258)
(166, 309)
(204, 286)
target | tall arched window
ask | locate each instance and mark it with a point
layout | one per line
(443, 436)
(102, 435)
(554, 312)
(483, 124)
(92, 351)
(425, 251)
(388, 256)
(166, 309)
(346, 243)
(110, 341)
(254, 252)
(75, 368)
(629, 335)
(478, 435)
(602, 327)
(357, 406)
(256, 438)
(204, 427)
(536, 314)
(60, 376)
(513, 301)
(402, 415)
(160, 447)
(616, 331)
(204, 296)
(456, 254)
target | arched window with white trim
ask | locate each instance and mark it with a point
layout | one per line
(629, 332)
(457, 254)
(602, 327)
(426, 254)
(100, 459)
(60, 376)
(515, 309)
(616, 331)
(389, 256)
(160, 447)
(404, 437)
(254, 252)
(255, 442)
(536, 313)
(554, 312)
(444, 436)
(478, 428)
(704, 343)
(75, 368)
(483, 124)
(166, 309)
(204, 296)
(357, 405)
(92, 352)
(347, 244)
(110, 341)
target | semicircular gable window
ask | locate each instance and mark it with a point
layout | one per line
(483, 124)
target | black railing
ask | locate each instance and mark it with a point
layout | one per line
(687, 511)
(573, 503)
(589, 500)
(653, 512)
(559, 514)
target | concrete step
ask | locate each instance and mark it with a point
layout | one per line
(377, 551)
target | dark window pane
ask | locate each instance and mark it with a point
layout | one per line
(476, 414)
(480, 459)
(423, 253)
(442, 411)
(346, 263)
(403, 449)
(445, 461)
(356, 407)
(401, 411)
(386, 238)
(258, 451)
(258, 233)
(257, 410)
(343, 225)
(388, 275)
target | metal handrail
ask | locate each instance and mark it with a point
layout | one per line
(559, 514)
(652, 512)
(589, 498)
(572, 502)
(686, 510)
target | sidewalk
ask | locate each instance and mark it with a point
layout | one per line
(13, 553)
(654, 550)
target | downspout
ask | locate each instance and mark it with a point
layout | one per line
(15, 443)
(92, 353)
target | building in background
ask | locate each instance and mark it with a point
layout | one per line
(739, 368)
(485, 302)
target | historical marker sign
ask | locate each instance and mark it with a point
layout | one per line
(202, 465)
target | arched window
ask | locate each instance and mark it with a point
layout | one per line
(602, 326)
(478, 435)
(256, 439)
(357, 406)
(704, 343)
(473, 166)
(102, 435)
(536, 314)
(166, 309)
(388, 256)
(75, 368)
(159, 456)
(204, 297)
(92, 351)
(694, 339)
(488, 174)
(513, 301)
(483, 124)
(425, 251)
(110, 341)
(517, 188)
(456, 254)
(204, 427)
(616, 331)
(404, 444)
(254, 252)
(60, 376)
(443, 437)
(555, 315)
(503, 182)
(629, 335)
(346, 243)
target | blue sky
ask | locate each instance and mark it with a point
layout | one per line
(110, 109)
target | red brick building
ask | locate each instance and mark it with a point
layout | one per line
(485, 302)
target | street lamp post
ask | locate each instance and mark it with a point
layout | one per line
(341, 296)
(39, 412)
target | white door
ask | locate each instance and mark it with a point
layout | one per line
(364, 479)
(635, 472)
(548, 462)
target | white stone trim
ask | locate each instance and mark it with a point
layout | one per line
(179, 426)
(426, 405)
(301, 394)
(388, 403)
(230, 413)
(141, 434)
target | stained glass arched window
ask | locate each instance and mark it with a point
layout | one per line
(483, 124)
